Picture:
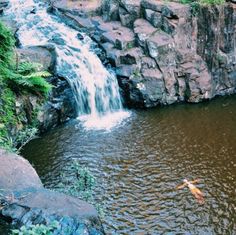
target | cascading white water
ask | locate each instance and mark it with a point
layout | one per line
(95, 88)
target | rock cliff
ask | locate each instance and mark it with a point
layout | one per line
(165, 52)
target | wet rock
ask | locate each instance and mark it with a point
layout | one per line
(195, 55)
(216, 45)
(172, 10)
(79, 22)
(148, 63)
(118, 57)
(126, 19)
(151, 86)
(126, 70)
(59, 107)
(3, 5)
(57, 39)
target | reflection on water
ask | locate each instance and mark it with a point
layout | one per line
(139, 164)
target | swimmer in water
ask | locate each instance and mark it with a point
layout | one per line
(194, 190)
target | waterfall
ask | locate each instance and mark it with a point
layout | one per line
(95, 88)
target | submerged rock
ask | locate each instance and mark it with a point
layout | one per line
(25, 201)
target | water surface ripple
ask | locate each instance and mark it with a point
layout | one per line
(139, 164)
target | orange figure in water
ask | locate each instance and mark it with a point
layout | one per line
(194, 190)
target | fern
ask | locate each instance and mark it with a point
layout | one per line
(22, 76)
(6, 46)
(26, 68)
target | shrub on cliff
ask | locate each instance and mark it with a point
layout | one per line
(20, 76)
(16, 79)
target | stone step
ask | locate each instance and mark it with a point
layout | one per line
(120, 37)
(171, 10)
(126, 71)
(129, 11)
(118, 57)
(143, 30)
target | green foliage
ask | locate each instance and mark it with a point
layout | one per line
(195, 4)
(39, 229)
(81, 183)
(7, 118)
(27, 78)
(212, 2)
(6, 46)
(25, 136)
(20, 76)
(16, 79)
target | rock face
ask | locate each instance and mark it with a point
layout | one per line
(24, 201)
(164, 52)
(59, 106)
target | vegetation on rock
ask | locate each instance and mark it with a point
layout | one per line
(17, 79)
(203, 2)
(39, 229)
(81, 183)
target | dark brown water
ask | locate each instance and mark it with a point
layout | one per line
(139, 164)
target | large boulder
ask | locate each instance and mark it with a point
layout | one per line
(24, 200)
(16, 173)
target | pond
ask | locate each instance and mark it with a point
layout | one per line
(139, 163)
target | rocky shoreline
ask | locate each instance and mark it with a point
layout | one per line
(24, 201)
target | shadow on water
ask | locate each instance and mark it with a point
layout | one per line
(139, 164)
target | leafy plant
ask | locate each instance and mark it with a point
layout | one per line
(195, 4)
(80, 183)
(212, 2)
(38, 229)
(83, 182)
(16, 78)
(6, 46)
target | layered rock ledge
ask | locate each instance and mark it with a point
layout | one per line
(24, 200)
(164, 52)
